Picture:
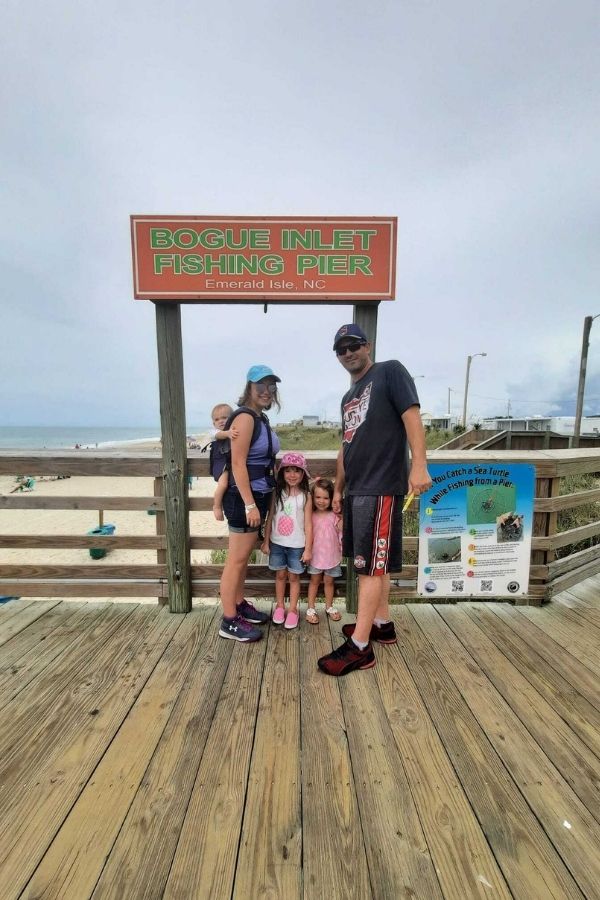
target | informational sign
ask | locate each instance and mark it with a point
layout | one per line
(475, 530)
(241, 259)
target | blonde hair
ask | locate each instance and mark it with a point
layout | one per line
(223, 408)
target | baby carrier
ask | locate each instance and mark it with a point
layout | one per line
(220, 451)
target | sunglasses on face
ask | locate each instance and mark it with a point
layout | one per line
(266, 388)
(353, 347)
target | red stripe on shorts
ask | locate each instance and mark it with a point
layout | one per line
(381, 535)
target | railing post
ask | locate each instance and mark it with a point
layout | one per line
(161, 555)
(174, 454)
(544, 524)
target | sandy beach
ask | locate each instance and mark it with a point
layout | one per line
(74, 522)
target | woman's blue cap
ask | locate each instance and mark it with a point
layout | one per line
(257, 373)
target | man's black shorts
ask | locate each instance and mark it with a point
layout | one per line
(373, 534)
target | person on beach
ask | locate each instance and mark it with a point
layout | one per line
(288, 535)
(248, 499)
(380, 420)
(221, 412)
(326, 549)
(25, 483)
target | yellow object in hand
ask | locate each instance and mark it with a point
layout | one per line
(408, 501)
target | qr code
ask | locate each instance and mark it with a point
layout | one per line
(458, 587)
(486, 585)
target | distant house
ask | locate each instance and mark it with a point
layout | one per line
(311, 421)
(439, 423)
(556, 424)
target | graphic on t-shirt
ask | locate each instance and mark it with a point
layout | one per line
(355, 413)
(285, 525)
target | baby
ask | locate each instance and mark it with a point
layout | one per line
(219, 415)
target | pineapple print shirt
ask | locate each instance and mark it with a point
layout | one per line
(288, 521)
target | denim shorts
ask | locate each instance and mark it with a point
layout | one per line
(334, 572)
(286, 558)
(235, 510)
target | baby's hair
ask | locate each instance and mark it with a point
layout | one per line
(223, 408)
(325, 484)
(280, 484)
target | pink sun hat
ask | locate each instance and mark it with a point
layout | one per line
(294, 459)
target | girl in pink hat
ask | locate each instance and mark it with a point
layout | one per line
(327, 550)
(288, 534)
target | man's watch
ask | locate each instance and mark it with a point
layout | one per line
(249, 507)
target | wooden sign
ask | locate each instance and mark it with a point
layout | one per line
(242, 259)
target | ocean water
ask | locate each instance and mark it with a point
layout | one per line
(33, 437)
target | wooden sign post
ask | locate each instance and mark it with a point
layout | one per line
(174, 452)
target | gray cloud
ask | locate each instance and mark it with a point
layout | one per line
(476, 124)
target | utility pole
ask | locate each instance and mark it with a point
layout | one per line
(469, 361)
(449, 392)
(587, 327)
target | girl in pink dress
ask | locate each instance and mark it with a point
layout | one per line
(326, 550)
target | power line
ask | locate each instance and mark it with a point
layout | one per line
(514, 399)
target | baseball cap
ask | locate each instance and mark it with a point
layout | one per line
(294, 459)
(350, 331)
(257, 373)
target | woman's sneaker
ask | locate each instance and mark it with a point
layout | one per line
(383, 634)
(239, 630)
(250, 613)
(346, 659)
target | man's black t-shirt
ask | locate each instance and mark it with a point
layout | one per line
(374, 437)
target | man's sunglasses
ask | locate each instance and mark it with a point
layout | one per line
(266, 388)
(353, 347)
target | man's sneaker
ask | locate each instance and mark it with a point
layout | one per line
(239, 630)
(346, 659)
(383, 634)
(250, 613)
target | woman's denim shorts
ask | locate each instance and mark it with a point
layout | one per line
(286, 558)
(235, 510)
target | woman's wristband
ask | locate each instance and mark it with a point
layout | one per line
(250, 507)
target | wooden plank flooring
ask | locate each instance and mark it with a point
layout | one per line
(141, 756)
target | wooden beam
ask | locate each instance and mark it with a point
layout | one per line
(87, 541)
(79, 462)
(30, 588)
(567, 501)
(33, 501)
(96, 572)
(573, 561)
(562, 538)
(172, 419)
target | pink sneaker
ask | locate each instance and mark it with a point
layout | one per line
(291, 620)
(279, 615)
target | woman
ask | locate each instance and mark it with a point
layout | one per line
(247, 500)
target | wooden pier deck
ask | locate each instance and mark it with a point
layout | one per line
(144, 757)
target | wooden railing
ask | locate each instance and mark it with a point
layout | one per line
(547, 574)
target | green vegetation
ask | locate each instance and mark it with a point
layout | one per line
(218, 557)
(436, 438)
(296, 437)
(579, 515)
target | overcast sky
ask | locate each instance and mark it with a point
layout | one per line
(477, 124)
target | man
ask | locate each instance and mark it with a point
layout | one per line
(381, 419)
